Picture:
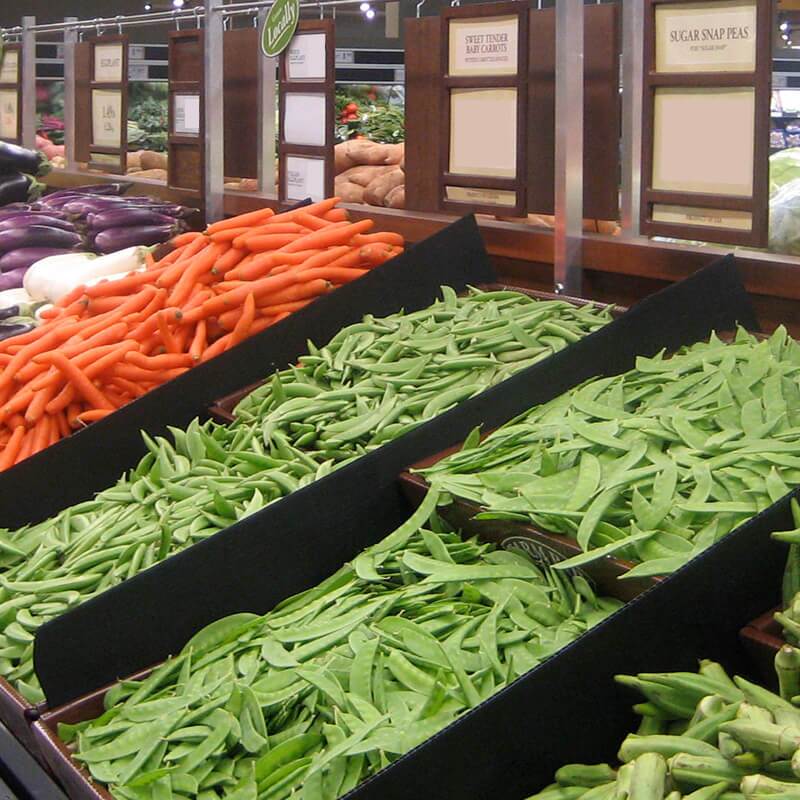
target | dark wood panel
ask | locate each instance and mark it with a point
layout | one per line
(423, 119)
(83, 100)
(602, 111)
(241, 56)
(186, 166)
(188, 51)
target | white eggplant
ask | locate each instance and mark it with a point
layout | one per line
(54, 280)
(14, 297)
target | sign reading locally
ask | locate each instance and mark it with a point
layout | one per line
(706, 37)
(279, 26)
(484, 46)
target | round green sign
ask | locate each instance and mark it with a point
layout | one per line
(279, 26)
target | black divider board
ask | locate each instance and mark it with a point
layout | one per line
(569, 709)
(294, 543)
(74, 468)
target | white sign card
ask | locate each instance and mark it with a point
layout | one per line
(305, 177)
(486, 46)
(493, 197)
(706, 36)
(706, 217)
(107, 118)
(304, 118)
(483, 132)
(9, 66)
(186, 118)
(305, 57)
(8, 113)
(703, 140)
(104, 158)
(108, 62)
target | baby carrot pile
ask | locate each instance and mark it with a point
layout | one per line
(102, 346)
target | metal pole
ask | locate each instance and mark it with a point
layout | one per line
(28, 82)
(266, 117)
(70, 40)
(567, 271)
(214, 117)
(632, 87)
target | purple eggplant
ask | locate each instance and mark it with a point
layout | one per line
(25, 256)
(90, 189)
(113, 239)
(16, 328)
(34, 218)
(125, 217)
(80, 207)
(12, 279)
(37, 236)
(14, 158)
(9, 311)
(17, 187)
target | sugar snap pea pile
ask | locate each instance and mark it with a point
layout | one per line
(379, 379)
(702, 736)
(374, 381)
(335, 683)
(654, 465)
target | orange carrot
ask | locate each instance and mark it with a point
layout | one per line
(260, 243)
(82, 384)
(335, 234)
(166, 361)
(199, 342)
(250, 219)
(382, 237)
(10, 452)
(336, 215)
(229, 260)
(319, 209)
(95, 414)
(184, 238)
(166, 333)
(244, 324)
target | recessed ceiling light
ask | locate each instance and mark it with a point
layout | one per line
(364, 7)
(370, 14)
(784, 26)
(178, 3)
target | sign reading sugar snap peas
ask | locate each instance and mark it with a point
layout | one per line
(279, 26)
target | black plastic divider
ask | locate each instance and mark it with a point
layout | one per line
(569, 710)
(296, 542)
(76, 467)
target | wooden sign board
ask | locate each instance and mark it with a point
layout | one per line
(483, 152)
(186, 130)
(705, 139)
(11, 93)
(424, 79)
(108, 103)
(306, 110)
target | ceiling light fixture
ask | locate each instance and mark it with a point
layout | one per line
(370, 13)
(784, 25)
(364, 7)
(178, 3)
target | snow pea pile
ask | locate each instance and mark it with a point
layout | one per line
(703, 736)
(654, 465)
(209, 476)
(338, 681)
(379, 379)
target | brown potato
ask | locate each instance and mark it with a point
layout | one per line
(381, 186)
(341, 160)
(152, 174)
(363, 175)
(394, 153)
(349, 192)
(150, 160)
(396, 198)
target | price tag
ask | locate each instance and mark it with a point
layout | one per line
(106, 118)
(186, 121)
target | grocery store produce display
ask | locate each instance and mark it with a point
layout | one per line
(652, 466)
(351, 391)
(340, 680)
(19, 169)
(702, 736)
(103, 345)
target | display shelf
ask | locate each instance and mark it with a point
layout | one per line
(615, 267)
(21, 777)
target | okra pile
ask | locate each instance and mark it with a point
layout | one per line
(654, 465)
(702, 736)
(337, 682)
(372, 382)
